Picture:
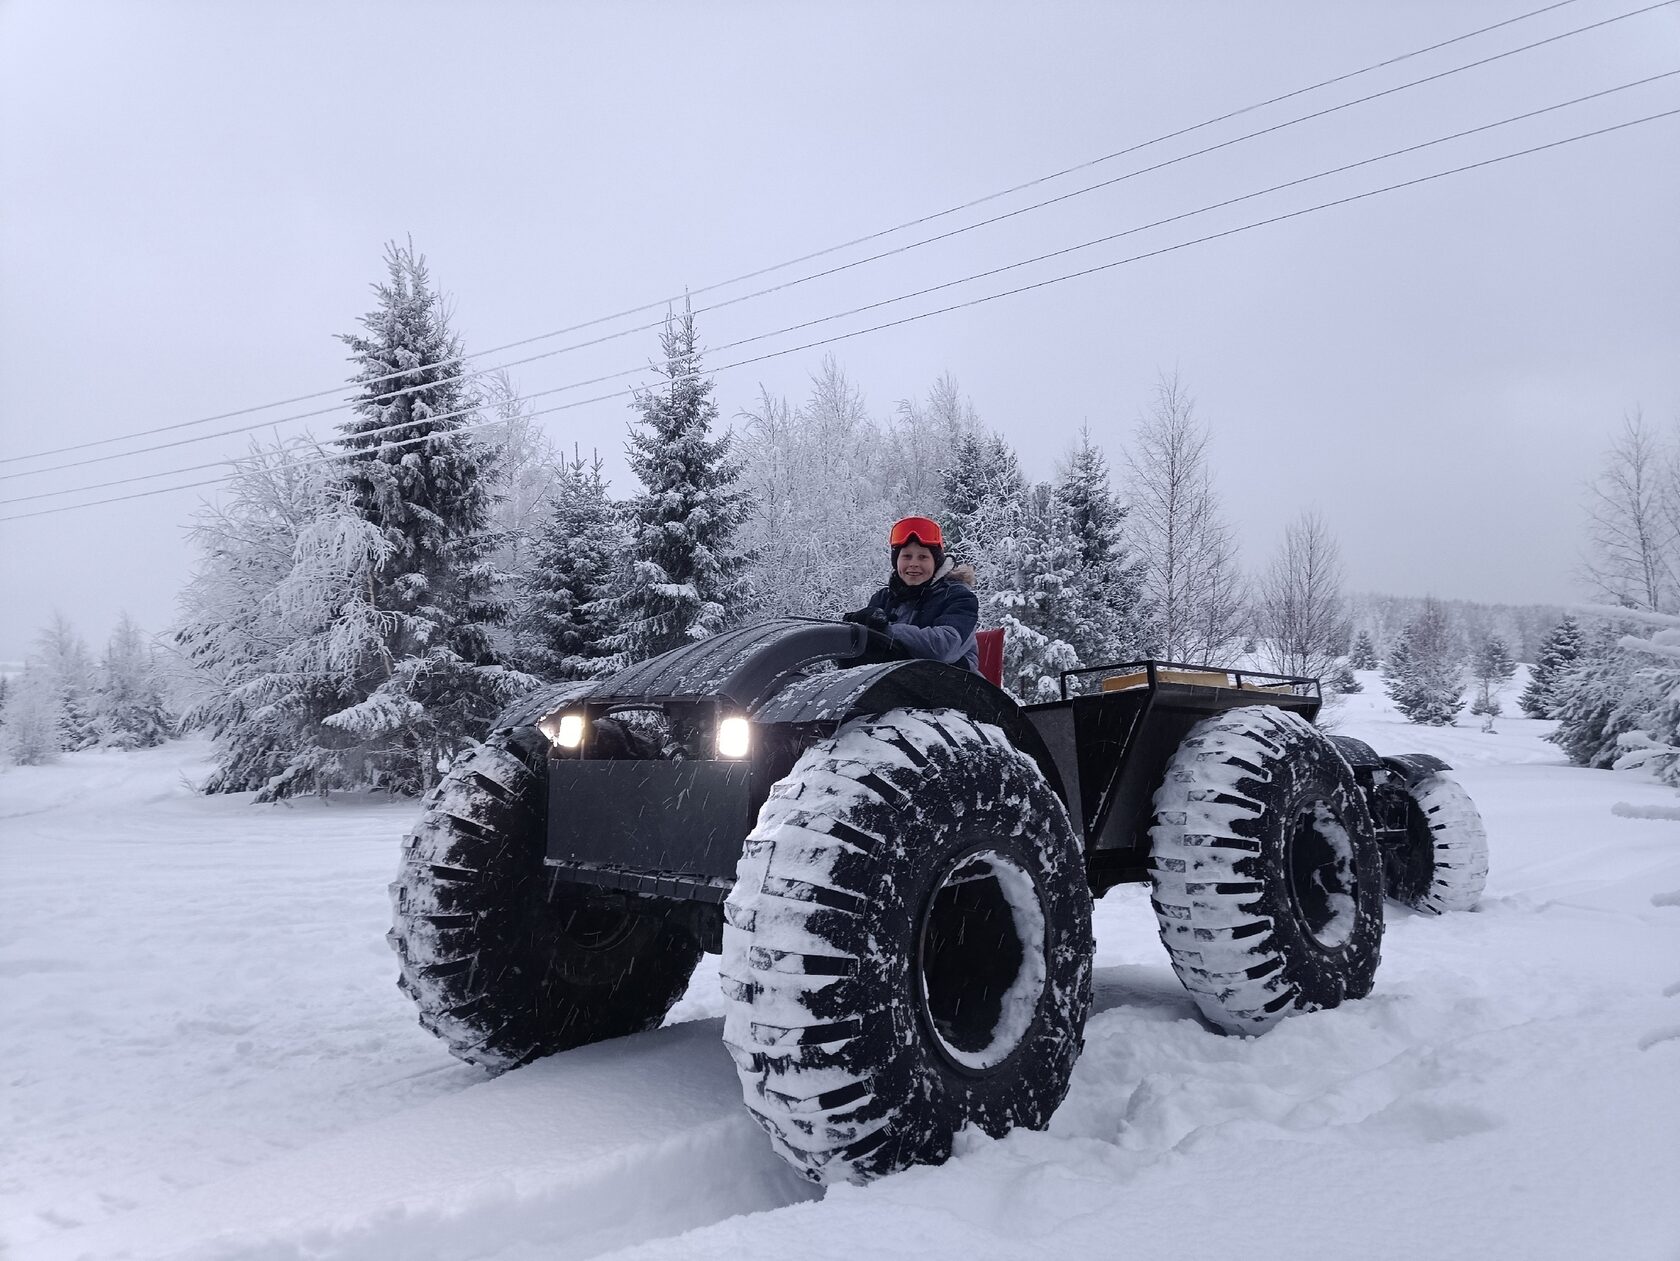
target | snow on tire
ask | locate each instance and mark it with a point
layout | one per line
(503, 969)
(908, 947)
(1268, 880)
(1443, 863)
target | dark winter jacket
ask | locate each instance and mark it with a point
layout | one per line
(935, 620)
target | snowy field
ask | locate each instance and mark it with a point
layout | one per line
(204, 1055)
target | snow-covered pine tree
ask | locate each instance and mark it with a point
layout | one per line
(685, 580)
(1558, 654)
(1490, 667)
(1363, 655)
(1106, 615)
(431, 680)
(1343, 681)
(1422, 675)
(575, 555)
(129, 704)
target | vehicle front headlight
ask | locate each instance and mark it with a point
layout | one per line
(564, 730)
(734, 738)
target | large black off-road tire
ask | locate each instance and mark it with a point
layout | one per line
(1443, 863)
(1268, 879)
(503, 968)
(908, 947)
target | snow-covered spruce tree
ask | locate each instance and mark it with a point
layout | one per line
(1106, 615)
(64, 655)
(575, 555)
(1363, 655)
(1030, 593)
(129, 706)
(32, 726)
(1558, 654)
(424, 677)
(982, 488)
(685, 579)
(1343, 681)
(1655, 743)
(1588, 699)
(1490, 668)
(1422, 675)
(1191, 583)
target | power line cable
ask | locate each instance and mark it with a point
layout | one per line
(909, 319)
(1102, 240)
(229, 415)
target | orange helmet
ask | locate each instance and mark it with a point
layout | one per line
(923, 530)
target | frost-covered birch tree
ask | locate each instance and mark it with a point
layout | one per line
(1633, 521)
(1191, 581)
(521, 466)
(921, 441)
(1300, 615)
(32, 723)
(231, 634)
(817, 487)
(685, 579)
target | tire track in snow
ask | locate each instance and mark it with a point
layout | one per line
(1665, 1033)
(594, 1150)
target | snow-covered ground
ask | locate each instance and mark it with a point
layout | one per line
(204, 1055)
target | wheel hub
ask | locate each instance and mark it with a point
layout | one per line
(980, 963)
(1323, 885)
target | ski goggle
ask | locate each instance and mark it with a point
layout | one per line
(924, 530)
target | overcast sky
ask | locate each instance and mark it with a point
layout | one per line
(194, 199)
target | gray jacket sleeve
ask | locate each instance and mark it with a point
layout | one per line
(951, 635)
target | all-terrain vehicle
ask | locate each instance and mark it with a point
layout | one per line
(897, 863)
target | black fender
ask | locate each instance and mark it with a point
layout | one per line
(839, 695)
(1412, 767)
(525, 711)
(1356, 753)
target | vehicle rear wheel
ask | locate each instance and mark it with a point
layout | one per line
(908, 947)
(504, 969)
(1443, 863)
(1267, 874)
